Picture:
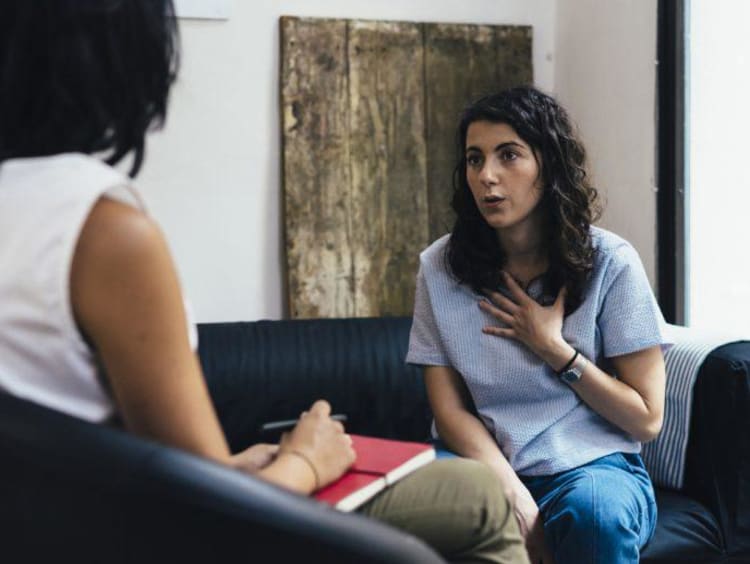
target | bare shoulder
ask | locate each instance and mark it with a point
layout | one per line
(121, 258)
(115, 231)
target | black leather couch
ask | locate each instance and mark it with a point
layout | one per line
(73, 491)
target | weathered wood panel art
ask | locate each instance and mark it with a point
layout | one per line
(317, 179)
(369, 111)
(389, 203)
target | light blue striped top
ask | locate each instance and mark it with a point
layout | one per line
(540, 424)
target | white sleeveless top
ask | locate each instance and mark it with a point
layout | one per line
(44, 203)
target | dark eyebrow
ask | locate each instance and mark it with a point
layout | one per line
(500, 147)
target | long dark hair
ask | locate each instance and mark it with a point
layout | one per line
(569, 203)
(84, 75)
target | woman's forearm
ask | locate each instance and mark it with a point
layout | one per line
(634, 402)
(619, 403)
(460, 429)
(466, 435)
(290, 472)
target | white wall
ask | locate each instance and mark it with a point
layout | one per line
(605, 75)
(211, 178)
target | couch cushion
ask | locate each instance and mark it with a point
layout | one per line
(685, 532)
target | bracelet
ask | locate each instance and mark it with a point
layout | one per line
(306, 458)
(568, 364)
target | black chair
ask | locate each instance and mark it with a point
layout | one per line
(73, 491)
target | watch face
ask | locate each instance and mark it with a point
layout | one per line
(571, 375)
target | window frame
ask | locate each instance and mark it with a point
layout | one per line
(671, 194)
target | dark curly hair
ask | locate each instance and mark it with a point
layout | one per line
(569, 203)
(84, 76)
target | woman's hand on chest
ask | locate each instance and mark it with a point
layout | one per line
(522, 318)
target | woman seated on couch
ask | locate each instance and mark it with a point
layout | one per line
(92, 320)
(543, 354)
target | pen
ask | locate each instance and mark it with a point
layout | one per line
(288, 424)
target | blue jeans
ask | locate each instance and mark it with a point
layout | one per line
(603, 512)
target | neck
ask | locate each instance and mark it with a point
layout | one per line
(525, 266)
(523, 242)
(524, 248)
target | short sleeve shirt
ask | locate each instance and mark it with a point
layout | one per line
(540, 424)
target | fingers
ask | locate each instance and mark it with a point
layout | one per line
(499, 314)
(522, 526)
(319, 416)
(284, 439)
(561, 295)
(496, 312)
(321, 407)
(272, 449)
(503, 302)
(499, 331)
(514, 288)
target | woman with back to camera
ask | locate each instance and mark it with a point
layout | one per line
(92, 320)
(540, 336)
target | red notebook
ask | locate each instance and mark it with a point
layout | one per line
(380, 463)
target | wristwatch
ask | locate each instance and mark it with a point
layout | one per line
(572, 372)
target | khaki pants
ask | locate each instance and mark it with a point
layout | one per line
(456, 506)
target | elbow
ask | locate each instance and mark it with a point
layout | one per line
(650, 430)
(444, 424)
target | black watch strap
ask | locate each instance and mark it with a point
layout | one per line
(568, 364)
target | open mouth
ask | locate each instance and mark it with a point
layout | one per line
(492, 200)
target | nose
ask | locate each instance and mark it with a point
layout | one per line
(488, 174)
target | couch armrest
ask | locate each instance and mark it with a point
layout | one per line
(717, 470)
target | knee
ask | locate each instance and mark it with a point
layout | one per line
(478, 488)
(476, 520)
(592, 515)
(484, 485)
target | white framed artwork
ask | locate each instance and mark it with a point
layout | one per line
(202, 9)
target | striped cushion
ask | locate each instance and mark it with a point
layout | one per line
(665, 456)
